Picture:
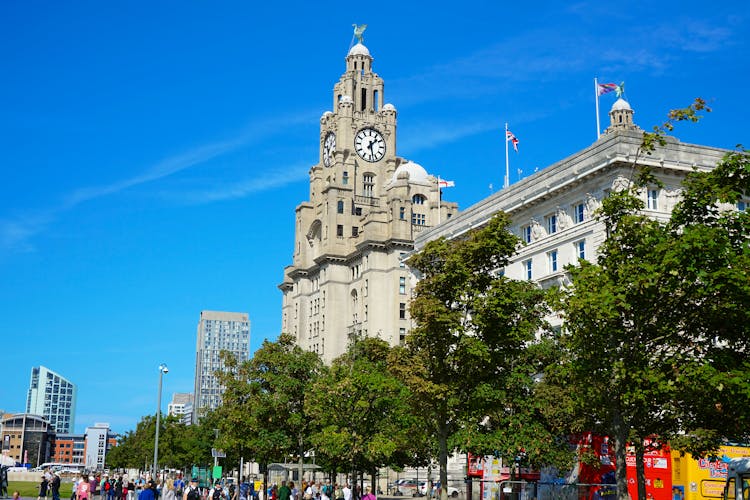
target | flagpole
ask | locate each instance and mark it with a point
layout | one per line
(507, 168)
(596, 95)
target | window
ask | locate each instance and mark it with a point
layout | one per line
(581, 249)
(418, 219)
(402, 285)
(527, 268)
(402, 310)
(401, 335)
(401, 213)
(552, 223)
(401, 257)
(369, 185)
(340, 231)
(579, 212)
(742, 205)
(340, 207)
(652, 199)
(526, 233)
(345, 180)
(418, 199)
(552, 261)
(355, 231)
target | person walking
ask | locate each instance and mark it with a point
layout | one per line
(42, 488)
(83, 489)
(169, 492)
(192, 492)
(369, 495)
(285, 492)
(149, 491)
(55, 486)
(131, 489)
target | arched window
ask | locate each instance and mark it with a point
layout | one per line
(368, 181)
(418, 199)
(355, 306)
(340, 207)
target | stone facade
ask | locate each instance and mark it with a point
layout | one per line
(552, 210)
(366, 207)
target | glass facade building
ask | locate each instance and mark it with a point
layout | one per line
(53, 397)
(217, 332)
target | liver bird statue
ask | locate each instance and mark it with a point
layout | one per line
(359, 31)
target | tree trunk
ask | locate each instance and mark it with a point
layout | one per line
(640, 470)
(621, 443)
(374, 481)
(300, 461)
(443, 459)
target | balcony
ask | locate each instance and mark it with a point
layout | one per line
(366, 200)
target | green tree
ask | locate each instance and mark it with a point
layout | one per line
(657, 329)
(263, 405)
(467, 361)
(180, 445)
(363, 412)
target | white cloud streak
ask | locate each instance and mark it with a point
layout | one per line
(17, 232)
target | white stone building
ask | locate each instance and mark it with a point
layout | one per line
(552, 210)
(366, 207)
(99, 440)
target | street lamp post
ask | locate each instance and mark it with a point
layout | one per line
(162, 370)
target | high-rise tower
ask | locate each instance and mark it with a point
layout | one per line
(53, 397)
(366, 205)
(217, 331)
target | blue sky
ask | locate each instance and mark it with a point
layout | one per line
(153, 152)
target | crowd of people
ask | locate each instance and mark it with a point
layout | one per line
(319, 490)
(122, 487)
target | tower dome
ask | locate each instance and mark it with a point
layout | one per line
(413, 172)
(620, 117)
(359, 50)
(621, 104)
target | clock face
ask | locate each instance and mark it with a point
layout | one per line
(369, 144)
(329, 147)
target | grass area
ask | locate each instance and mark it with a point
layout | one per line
(31, 489)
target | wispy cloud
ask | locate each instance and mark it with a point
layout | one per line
(17, 232)
(540, 55)
(264, 181)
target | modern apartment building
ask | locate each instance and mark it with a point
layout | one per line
(53, 397)
(70, 449)
(181, 406)
(27, 438)
(217, 332)
(99, 440)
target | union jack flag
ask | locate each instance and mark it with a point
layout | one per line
(512, 138)
(606, 88)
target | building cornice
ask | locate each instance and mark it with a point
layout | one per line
(616, 150)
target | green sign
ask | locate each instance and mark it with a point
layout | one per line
(217, 472)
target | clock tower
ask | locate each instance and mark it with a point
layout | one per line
(366, 205)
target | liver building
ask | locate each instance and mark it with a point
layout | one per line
(366, 206)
